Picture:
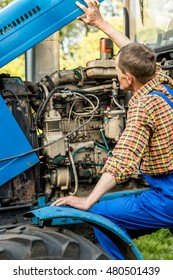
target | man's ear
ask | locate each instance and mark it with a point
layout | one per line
(129, 78)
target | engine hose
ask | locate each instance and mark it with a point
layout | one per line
(102, 147)
(75, 174)
(118, 105)
(78, 150)
(44, 104)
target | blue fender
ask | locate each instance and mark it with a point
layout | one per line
(119, 237)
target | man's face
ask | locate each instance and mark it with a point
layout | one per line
(122, 78)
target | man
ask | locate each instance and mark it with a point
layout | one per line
(146, 143)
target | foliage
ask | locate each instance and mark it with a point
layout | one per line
(156, 246)
(4, 3)
(15, 68)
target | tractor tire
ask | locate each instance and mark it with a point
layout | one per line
(29, 242)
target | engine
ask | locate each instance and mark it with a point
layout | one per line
(83, 118)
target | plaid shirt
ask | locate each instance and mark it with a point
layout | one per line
(147, 141)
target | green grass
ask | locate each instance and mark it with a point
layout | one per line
(156, 246)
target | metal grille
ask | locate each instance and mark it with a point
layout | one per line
(19, 20)
(53, 125)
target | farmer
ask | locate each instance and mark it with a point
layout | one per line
(146, 143)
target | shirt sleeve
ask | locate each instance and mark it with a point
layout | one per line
(132, 146)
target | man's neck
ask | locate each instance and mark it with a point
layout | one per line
(137, 85)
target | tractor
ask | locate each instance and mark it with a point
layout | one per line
(59, 126)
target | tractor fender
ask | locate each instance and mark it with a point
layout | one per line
(118, 237)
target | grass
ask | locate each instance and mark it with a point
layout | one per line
(156, 246)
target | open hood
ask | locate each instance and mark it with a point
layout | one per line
(25, 23)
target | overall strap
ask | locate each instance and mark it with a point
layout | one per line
(168, 89)
(164, 96)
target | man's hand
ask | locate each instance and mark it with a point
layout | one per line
(74, 201)
(105, 183)
(92, 14)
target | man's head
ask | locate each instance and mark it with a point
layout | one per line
(135, 64)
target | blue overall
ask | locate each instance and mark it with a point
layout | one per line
(151, 209)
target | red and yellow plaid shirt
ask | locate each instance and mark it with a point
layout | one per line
(147, 141)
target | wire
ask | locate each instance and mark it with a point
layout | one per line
(92, 105)
(71, 110)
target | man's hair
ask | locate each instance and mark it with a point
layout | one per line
(138, 60)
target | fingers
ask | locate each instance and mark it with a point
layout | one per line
(83, 8)
(58, 202)
(90, 3)
(91, 11)
(73, 201)
(95, 3)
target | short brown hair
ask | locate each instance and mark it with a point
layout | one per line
(139, 60)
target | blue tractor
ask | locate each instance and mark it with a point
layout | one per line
(56, 133)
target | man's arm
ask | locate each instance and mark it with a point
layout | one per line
(93, 17)
(106, 183)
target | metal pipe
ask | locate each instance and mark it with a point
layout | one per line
(43, 59)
